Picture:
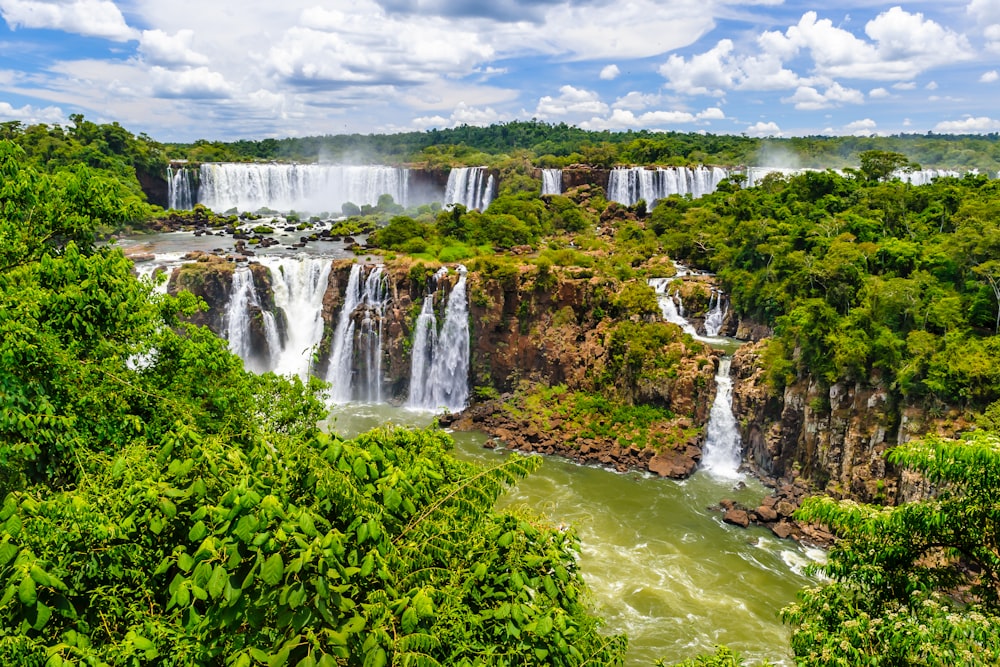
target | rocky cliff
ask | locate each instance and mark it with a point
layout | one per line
(830, 437)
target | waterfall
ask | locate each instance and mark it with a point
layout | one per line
(439, 370)
(180, 191)
(668, 307)
(551, 181)
(298, 285)
(364, 302)
(300, 187)
(472, 187)
(723, 452)
(927, 176)
(244, 306)
(627, 185)
(717, 309)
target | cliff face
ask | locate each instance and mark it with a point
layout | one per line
(831, 437)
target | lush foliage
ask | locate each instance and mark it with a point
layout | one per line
(897, 571)
(560, 145)
(108, 148)
(860, 276)
(161, 505)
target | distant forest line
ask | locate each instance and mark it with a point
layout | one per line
(540, 144)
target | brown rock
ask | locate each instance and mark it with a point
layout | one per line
(737, 518)
(785, 508)
(767, 514)
(782, 529)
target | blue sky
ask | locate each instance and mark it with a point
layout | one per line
(185, 69)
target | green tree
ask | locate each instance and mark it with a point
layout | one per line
(896, 571)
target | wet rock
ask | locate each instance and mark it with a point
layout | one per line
(737, 517)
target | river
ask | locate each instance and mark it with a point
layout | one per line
(663, 567)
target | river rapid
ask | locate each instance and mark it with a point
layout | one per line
(662, 566)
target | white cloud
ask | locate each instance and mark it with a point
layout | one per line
(931, 86)
(863, 128)
(623, 119)
(571, 101)
(636, 101)
(990, 77)
(197, 82)
(762, 129)
(32, 115)
(93, 18)
(908, 85)
(992, 35)
(709, 73)
(610, 72)
(985, 12)
(969, 125)
(807, 98)
(159, 48)
(463, 114)
(879, 94)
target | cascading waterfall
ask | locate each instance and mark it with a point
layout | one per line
(300, 187)
(298, 286)
(723, 453)
(244, 305)
(369, 295)
(472, 187)
(439, 369)
(668, 306)
(927, 176)
(551, 181)
(627, 185)
(180, 190)
(718, 306)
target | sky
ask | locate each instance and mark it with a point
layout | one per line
(181, 70)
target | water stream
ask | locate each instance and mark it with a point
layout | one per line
(662, 566)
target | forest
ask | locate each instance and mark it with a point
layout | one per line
(163, 506)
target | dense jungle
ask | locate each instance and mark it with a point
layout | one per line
(161, 504)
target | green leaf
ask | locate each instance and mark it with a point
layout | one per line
(26, 591)
(142, 643)
(13, 525)
(543, 626)
(7, 552)
(198, 532)
(217, 584)
(272, 570)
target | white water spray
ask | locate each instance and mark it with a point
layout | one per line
(439, 369)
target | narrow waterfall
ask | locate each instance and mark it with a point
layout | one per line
(180, 189)
(627, 185)
(552, 182)
(353, 349)
(669, 307)
(472, 187)
(723, 451)
(300, 187)
(299, 285)
(244, 307)
(718, 306)
(439, 369)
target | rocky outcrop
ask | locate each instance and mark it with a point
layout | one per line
(829, 437)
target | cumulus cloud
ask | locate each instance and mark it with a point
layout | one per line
(159, 48)
(879, 94)
(989, 77)
(92, 18)
(31, 115)
(969, 125)
(807, 98)
(610, 72)
(903, 45)
(463, 114)
(863, 128)
(331, 46)
(709, 73)
(636, 101)
(197, 82)
(762, 129)
(623, 119)
(570, 101)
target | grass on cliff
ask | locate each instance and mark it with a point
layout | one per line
(580, 415)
